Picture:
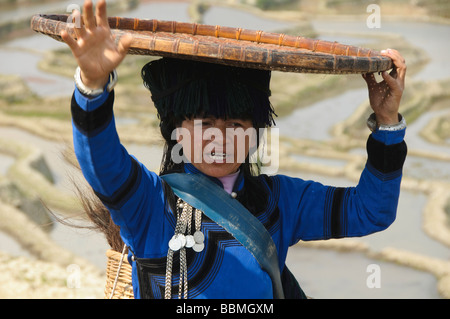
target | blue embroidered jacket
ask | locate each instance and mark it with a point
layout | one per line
(295, 210)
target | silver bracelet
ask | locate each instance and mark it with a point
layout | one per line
(91, 92)
(374, 126)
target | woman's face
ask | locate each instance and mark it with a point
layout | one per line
(215, 146)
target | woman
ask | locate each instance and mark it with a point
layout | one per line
(192, 94)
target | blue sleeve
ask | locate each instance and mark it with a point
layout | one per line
(123, 184)
(389, 137)
(312, 211)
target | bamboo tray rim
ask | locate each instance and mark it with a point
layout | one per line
(231, 46)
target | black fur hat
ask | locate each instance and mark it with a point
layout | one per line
(186, 88)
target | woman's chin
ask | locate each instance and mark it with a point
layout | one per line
(217, 168)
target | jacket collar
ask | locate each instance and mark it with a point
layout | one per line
(189, 168)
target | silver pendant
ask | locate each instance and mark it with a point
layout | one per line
(177, 242)
(190, 241)
(199, 237)
(183, 239)
(198, 247)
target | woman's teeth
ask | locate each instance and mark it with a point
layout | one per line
(218, 156)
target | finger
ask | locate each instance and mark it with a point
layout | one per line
(397, 56)
(73, 45)
(399, 62)
(101, 14)
(400, 69)
(392, 83)
(124, 44)
(88, 15)
(370, 80)
(394, 73)
(122, 47)
(78, 26)
(368, 76)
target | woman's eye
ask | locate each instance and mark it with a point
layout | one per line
(235, 124)
(202, 123)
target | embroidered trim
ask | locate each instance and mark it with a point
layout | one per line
(126, 190)
(91, 123)
(335, 219)
(386, 158)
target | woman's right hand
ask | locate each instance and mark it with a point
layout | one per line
(95, 47)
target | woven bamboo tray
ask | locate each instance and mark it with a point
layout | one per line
(118, 276)
(231, 46)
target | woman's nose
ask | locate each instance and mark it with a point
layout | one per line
(220, 124)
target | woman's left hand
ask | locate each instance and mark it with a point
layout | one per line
(385, 96)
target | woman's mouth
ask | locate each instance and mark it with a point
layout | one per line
(218, 157)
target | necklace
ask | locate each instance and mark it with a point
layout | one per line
(182, 239)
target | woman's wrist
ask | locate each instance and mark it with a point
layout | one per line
(98, 87)
(94, 84)
(388, 120)
(391, 125)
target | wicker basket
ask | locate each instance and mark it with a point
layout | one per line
(232, 46)
(118, 276)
